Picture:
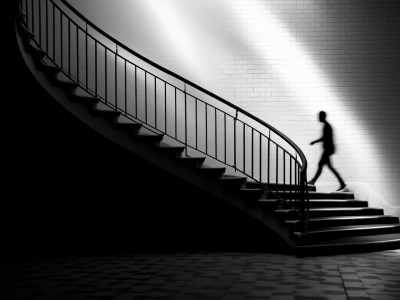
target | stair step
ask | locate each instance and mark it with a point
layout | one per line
(315, 223)
(175, 151)
(342, 231)
(87, 100)
(351, 244)
(154, 139)
(26, 31)
(315, 203)
(35, 49)
(331, 212)
(279, 187)
(65, 83)
(252, 194)
(105, 112)
(130, 126)
(21, 13)
(234, 182)
(212, 171)
(192, 161)
(47, 67)
(320, 195)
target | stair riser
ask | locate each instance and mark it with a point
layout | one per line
(249, 195)
(333, 249)
(344, 213)
(134, 129)
(213, 173)
(320, 236)
(234, 184)
(171, 151)
(62, 84)
(338, 196)
(347, 222)
(279, 187)
(152, 140)
(191, 163)
(338, 204)
(110, 115)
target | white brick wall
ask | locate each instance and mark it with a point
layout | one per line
(284, 61)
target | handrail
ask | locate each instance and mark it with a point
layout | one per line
(169, 72)
(282, 161)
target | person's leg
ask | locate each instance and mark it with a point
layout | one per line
(342, 184)
(322, 162)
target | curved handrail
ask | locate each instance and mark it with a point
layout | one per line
(302, 167)
(188, 82)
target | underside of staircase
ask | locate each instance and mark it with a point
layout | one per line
(337, 221)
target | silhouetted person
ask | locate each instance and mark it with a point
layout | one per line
(329, 149)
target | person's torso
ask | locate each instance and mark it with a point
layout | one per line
(328, 138)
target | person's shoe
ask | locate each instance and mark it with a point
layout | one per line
(342, 187)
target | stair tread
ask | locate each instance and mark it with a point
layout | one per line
(355, 240)
(343, 218)
(352, 227)
(172, 148)
(232, 177)
(334, 209)
(351, 217)
(336, 200)
(128, 124)
(191, 158)
(145, 135)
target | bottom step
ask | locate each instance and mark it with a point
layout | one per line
(351, 245)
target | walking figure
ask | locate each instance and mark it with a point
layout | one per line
(329, 149)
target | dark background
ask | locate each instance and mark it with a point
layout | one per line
(66, 190)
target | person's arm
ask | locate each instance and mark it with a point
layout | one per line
(317, 141)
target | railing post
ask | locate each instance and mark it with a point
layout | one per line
(186, 144)
(234, 140)
(303, 192)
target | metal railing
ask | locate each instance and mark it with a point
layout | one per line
(167, 103)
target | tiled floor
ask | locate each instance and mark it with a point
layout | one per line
(186, 276)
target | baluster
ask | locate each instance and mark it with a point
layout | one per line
(61, 40)
(196, 125)
(244, 148)
(145, 96)
(216, 132)
(40, 24)
(176, 117)
(165, 106)
(116, 77)
(155, 100)
(136, 97)
(206, 111)
(47, 26)
(105, 75)
(69, 49)
(87, 57)
(260, 158)
(95, 68)
(77, 53)
(225, 137)
(252, 152)
(125, 89)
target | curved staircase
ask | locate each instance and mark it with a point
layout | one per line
(192, 133)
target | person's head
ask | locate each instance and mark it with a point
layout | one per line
(322, 116)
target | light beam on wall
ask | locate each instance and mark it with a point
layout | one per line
(273, 41)
(184, 42)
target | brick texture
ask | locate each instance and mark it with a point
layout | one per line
(284, 61)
